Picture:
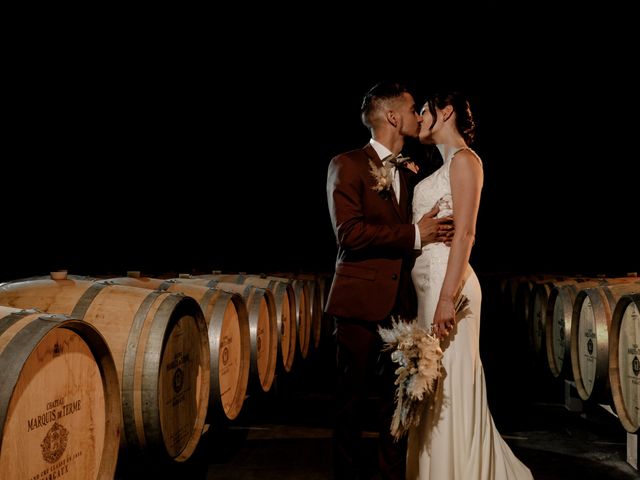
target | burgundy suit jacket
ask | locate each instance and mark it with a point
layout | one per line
(375, 240)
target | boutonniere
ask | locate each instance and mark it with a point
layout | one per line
(384, 179)
(382, 175)
(405, 163)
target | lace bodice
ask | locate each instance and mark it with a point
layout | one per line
(436, 188)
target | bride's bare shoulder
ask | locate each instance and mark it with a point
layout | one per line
(467, 156)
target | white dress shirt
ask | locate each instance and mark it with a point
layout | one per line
(383, 152)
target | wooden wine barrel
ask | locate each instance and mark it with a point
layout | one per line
(160, 348)
(285, 302)
(302, 302)
(539, 312)
(229, 340)
(523, 296)
(328, 326)
(303, 313)
(590, 321)
(59, 398)
(516, 290)
(557, 330)
(316, 286)
(263, 325)
(624, 361)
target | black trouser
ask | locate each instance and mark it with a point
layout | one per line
(364, 370)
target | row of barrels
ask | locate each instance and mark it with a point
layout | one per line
(90, 366)
(586, 330)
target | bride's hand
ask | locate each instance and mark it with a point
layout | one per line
(444, 318)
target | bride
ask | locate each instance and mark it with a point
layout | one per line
(456, 439)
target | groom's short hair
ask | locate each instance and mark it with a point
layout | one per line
(376, 96)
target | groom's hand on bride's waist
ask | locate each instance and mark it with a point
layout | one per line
(435, 229)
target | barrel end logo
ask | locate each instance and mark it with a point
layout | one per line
(54, 443)
(635, 364)
(225, 356)
(178, 380)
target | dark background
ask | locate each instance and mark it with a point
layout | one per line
(184, 143)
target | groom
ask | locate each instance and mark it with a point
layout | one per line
(369, 196)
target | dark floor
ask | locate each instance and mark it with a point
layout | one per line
(285, 434)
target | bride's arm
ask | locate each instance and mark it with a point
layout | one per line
(466, 179)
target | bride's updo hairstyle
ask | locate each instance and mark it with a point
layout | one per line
(464, 118)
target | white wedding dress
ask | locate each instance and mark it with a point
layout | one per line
(456, 439)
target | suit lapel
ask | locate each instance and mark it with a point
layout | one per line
(396, 206)
(404, 197)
